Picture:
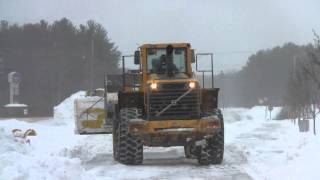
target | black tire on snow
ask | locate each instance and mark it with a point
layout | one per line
(129, 147)
(212, 153)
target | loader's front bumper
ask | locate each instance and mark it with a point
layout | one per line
(174, 132)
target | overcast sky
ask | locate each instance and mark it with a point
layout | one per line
(231, 29)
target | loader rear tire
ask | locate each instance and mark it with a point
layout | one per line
(212, 153)
(130, 147)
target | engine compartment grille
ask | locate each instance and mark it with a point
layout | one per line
(187, 108)
(173, 86)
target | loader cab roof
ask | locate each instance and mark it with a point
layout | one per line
(164, 45)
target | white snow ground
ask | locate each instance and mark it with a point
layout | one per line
(255, 148)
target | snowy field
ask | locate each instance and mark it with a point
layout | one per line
(255, 148)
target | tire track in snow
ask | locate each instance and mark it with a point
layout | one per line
(165, 163)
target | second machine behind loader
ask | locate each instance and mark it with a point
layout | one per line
(162, 104)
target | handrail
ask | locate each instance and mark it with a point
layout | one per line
(204, 71)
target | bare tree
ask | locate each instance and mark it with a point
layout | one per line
(311, 68)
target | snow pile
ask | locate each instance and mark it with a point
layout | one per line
(240, 120)
(64, 112)
(300, 158)
(271, 149)
(39, 160)
(283, 152)
(9, 144)
(232, 115)
(43, 158)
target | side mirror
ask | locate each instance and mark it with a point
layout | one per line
(193, 57)
(137, 57)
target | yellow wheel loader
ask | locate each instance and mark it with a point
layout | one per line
(160, 104)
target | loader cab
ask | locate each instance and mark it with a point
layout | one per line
(158, 62)
(166, 61)
(162, 64)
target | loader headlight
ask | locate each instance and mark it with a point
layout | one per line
(192, 85)
(154, 86)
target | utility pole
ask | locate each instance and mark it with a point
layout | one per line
(294, 79)
(91, 64)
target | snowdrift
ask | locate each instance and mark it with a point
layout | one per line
(64, 112)
(41, 159)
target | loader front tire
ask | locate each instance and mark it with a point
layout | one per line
(212, 153)
(130, 147)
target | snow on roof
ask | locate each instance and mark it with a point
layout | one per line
(16, 105)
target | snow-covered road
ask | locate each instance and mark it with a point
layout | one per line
(255, 148)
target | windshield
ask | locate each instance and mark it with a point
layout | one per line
(157, 60)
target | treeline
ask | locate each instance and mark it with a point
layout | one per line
(303, 97)
(55, 60)
(264, 79)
